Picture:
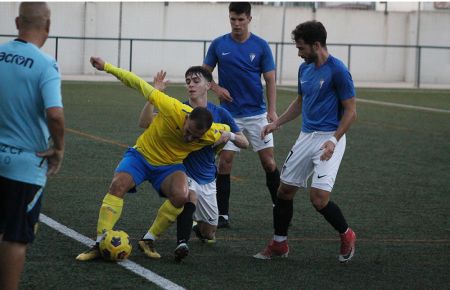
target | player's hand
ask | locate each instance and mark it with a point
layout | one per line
(328, 150)
(269, 128)
(54, 160)
(98, 63)
(272, 116)
(224, 138)
(159, 81)
(224, 95)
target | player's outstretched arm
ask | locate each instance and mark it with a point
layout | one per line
(126, 77)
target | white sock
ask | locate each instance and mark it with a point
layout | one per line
(279, 238)
(149, 236)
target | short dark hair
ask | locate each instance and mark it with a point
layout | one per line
(202, 117)
(199, 70)
(310, 32)
(240, 7)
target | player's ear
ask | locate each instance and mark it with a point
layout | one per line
(249, 19)
(316, 45)
(47, 26)
(18, 22)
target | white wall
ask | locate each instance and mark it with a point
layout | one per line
(205, 21)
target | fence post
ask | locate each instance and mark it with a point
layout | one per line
(279, 68)
(349, 56)
(131, 53)
(56, 48)
(204, 50)
(418, 59)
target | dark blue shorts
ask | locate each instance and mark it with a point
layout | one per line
(20, 205)
(138, 167)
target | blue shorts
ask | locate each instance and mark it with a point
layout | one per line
(20, 205)
(138, 167)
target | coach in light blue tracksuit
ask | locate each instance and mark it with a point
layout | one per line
(241, 58)
(30, 114)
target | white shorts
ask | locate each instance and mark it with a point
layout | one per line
(207, 210)
(304, 160)
(252, 127)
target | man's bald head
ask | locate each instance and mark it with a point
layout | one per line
(33, 15)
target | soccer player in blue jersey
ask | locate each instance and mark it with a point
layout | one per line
(31, 114)
(200, 165)
(157, 157)
(326, 100)
(241, 58)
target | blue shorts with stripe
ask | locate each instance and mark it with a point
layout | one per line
(138, 167)
(20, 205)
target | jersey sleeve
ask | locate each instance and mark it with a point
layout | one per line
(213, 134)
(226, 118)
(211, 56)
(50, 87)
(267, 64)
(299, 84)
(344, 83)
(161, 101)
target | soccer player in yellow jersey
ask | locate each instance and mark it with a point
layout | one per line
(157, 157)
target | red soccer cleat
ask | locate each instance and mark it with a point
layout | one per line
(348, 240)
(274, 249)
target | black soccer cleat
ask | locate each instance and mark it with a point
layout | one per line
(223, 223)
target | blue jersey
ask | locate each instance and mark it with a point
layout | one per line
(322, 90)
(200, 165)
(30, 84)
(240, 66)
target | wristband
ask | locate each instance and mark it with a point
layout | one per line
(333, 140)
(232, 136)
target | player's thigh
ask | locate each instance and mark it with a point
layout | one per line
(207, 210)
(175, 187)
(325, 172)
(20, 208)
(253, 127)
(298, 166)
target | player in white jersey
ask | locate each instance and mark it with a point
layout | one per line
(326, 100)
(31, 113)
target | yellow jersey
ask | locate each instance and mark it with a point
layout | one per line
(162, 142)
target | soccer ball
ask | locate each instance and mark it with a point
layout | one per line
(115, 246)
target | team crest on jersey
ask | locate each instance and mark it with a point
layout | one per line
(252, 56)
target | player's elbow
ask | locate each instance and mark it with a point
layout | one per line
(143, 124)
(55, 116)
(353, 115)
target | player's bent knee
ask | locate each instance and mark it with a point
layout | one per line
(286, 192)
(269, 165)
(120, 184)
(179, 197)
(319, 201)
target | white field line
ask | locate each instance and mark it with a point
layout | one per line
(388, 104)
(127, 264)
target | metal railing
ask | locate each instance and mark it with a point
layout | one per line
(278, 52)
